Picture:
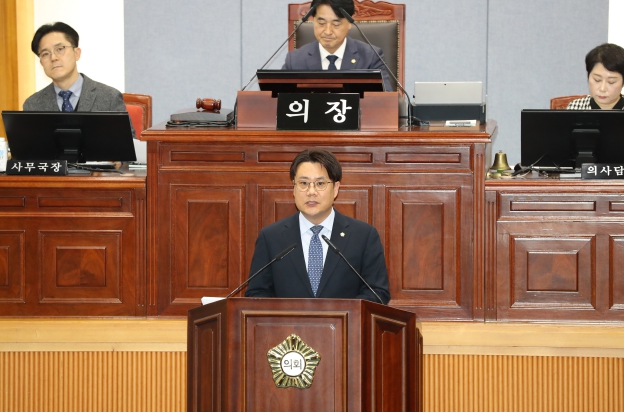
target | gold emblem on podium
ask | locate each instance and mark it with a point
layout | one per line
(293, 363)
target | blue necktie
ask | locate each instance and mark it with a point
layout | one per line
(315, 259)
(67, 106)
(332, 62)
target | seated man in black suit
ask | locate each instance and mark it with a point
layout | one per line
(311, 270)
(333, 50)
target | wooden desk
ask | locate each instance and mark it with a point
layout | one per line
(555, 250)
(212, 190)
(73, 246)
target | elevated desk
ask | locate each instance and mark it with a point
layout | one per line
(212, 190)
(73, 245)
(555, 250)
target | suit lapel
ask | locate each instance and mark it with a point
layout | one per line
(350, 57)
(313, 60)
(292, 234)
(48, 99)
(340, 238)
(87, 95)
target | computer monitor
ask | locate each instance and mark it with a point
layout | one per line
(565, 139)
(75, 136)
(320, 81)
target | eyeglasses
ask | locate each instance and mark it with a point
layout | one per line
(319, 185)
(59, 51)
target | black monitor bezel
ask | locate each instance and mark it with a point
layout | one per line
(547, 140)
(320, 81)
(103, 136)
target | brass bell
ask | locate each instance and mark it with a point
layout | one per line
(500, 162)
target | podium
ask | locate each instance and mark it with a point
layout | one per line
(379, 110)
(244, 354)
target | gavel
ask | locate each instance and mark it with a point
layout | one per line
(208, 104)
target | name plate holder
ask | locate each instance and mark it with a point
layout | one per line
(37, 167)
(318, 111)
(602, 171)
(258, 110)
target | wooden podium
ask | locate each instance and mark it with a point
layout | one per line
(258, 109)
(360, 356)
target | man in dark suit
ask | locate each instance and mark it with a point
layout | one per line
(333, 50)
(311, 269)
(56, 45)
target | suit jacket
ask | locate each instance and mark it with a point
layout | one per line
(308, 57)
(288, 278)
(94, 97)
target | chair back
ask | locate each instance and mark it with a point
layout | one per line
(139, 108)
(382, 23)
(561, 103)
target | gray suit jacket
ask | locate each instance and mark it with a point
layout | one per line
(357, 55)
(95, 97)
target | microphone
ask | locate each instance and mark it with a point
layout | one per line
(303, 20)
(280, 256)
(335, 249)
(409, 101)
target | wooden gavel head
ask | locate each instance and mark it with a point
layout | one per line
(208, 104)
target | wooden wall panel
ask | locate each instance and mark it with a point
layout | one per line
(12, 274)
(558, 250)
(208, 228)
(72, 245)
(156, 381)
(616, 273)
(93, 381)
(424, 254)
(456, 383)
(417, 186)
(8, 63)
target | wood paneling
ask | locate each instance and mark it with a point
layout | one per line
(459, 383)
(362, 349)
(557, 250)
(17, 70)
(140, 365)
(93, 381)
(416, 186)
(72, 245)
(8, 62)
(156, 381)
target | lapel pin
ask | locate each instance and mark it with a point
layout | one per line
(353, 61)
(342, 234)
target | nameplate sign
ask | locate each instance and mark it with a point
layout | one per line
(37, 167)
(602, 171)
(318, 111)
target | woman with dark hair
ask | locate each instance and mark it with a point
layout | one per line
(605, 74)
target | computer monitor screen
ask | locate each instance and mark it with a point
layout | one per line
(320, 81)
(565, 139)
(75, 136)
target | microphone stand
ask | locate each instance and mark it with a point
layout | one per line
(275, 259)
(335, 249)
(409, 101)
(303, 20)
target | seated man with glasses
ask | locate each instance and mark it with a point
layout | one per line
(56, 45)
(311, 269)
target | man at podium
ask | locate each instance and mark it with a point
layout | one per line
(313, 268)
(334, 50)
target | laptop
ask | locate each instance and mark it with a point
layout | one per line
(461, 93)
